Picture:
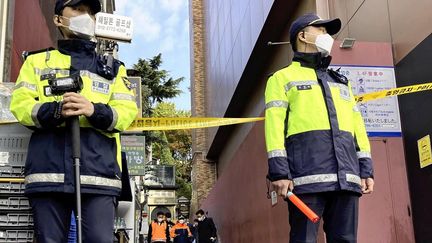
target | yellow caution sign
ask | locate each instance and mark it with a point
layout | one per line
(393, 92)
(425, 152)
(159, 124)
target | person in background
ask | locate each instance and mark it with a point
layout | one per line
(206, 228)
(181, 232)
(169, 220)
(194, 229)
(158, 230)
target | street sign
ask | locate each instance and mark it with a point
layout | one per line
(162, 197)
(134, 147)
(159, 175)
(113, 27)
(381, 117)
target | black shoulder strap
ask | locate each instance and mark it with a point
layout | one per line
(25, 54)
(337, 76)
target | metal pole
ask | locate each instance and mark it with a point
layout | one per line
(76, 153)
(270, 43)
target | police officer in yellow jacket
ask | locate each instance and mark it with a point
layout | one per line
(315, 136)
(105, 106)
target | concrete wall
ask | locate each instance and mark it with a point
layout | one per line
(403, 23)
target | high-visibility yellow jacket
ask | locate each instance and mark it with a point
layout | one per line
(314, 131)
(49, 165)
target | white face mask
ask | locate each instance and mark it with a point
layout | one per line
(181, 221)
(323, 43)
(201, 218)
(82, 26)
(159, 220)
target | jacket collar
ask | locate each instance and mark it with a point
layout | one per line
(312, 60)
(76, 46)
(163, 222)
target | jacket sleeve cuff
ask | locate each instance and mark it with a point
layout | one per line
(102, 117)
(366, 168)
(278, 169)
(48, 115)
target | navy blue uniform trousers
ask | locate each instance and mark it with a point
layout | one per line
(52, 216)
(338, 210)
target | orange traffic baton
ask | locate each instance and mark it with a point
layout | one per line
(303, 207)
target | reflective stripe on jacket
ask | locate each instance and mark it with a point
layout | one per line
(314, 131)
(49, 165)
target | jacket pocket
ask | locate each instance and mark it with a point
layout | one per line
(46, 152)
(351, 161)
(313, 153)
(295, 157)
(99, 154)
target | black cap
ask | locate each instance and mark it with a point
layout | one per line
(181, 217)
(332, 25)
(94, 5)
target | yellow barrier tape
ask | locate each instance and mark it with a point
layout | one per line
(153, 124)
(11, 179)
(393, 92)
(160, 124)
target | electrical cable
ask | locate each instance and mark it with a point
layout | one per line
(355, 12)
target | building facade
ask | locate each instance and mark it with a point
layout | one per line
(231, 61)
(23, 21)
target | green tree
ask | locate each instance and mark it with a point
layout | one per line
(175, 148)
(170, 147)
(179, 141)
(161, 149)
(157, 84)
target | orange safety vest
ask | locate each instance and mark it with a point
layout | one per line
(159, 231)
(179, 226)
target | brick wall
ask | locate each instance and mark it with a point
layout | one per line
(203, 171)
